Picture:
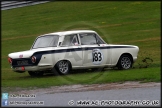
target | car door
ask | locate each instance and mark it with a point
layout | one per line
(94, 50)
(73, 50)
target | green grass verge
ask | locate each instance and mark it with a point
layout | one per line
(134, 23)
(86, 77)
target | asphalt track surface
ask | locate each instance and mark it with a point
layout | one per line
(128, 96)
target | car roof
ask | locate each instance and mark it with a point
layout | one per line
(70, 32)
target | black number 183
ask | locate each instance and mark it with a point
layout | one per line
(97, 56)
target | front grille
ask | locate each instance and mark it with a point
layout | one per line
(24, 62)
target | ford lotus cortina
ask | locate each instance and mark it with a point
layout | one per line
(64, 51)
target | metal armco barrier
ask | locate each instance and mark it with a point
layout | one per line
(5, 5)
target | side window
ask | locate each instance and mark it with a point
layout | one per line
(99, 41)
(70, 40)
(88, 39)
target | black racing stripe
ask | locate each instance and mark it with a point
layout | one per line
(79, 49)
(40, 53)
(121, 47)
(59, 51)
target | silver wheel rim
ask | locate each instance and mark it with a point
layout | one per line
(63, 66)
(126, 62)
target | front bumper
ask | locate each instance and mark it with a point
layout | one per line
(134, 59)
(31, 68)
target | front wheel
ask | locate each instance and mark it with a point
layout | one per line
(63, 67)
(125, 62)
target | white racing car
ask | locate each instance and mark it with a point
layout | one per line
(78, 49)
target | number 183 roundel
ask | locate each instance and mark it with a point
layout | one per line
(97, 56)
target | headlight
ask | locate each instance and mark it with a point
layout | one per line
(33, 59)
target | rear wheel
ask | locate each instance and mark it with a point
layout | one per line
(36, 73)
(63, 67)
(125, 62)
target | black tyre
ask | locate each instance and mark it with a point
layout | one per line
(125, 62)
(63, 67)
(36, 73)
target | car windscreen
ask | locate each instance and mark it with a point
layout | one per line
(46, 41)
